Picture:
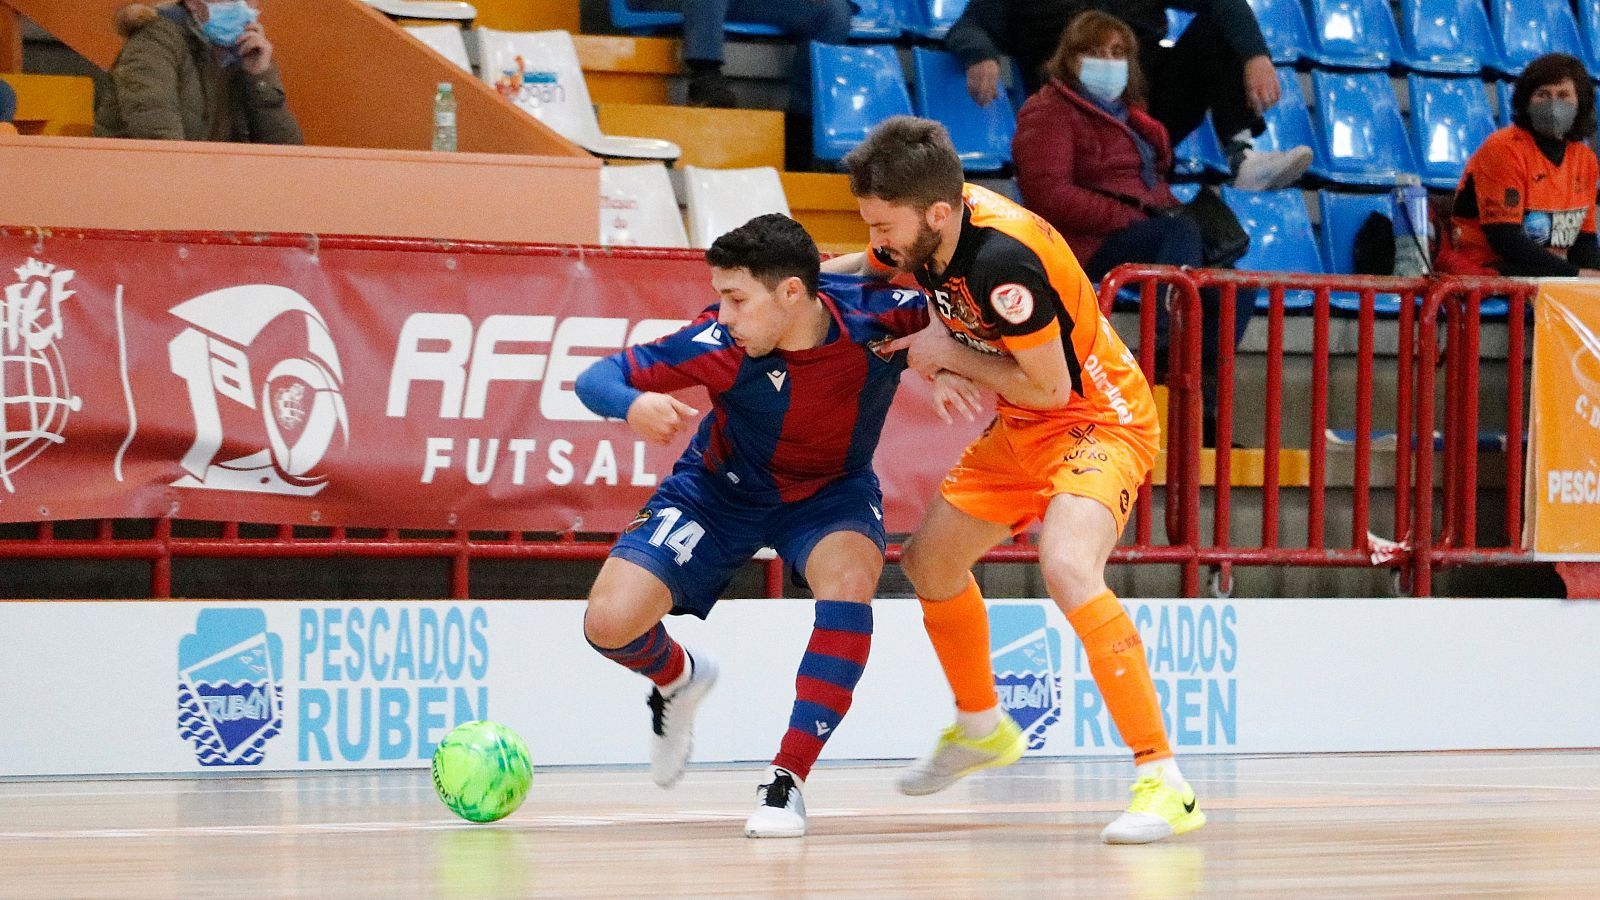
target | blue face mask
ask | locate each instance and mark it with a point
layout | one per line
(228, 21)
(1105, 79)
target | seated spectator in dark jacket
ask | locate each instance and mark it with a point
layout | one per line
(1093, 163)
(1526, 202)
(1219, 64)
(195, 71)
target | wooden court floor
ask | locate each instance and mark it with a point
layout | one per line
(1408, 825)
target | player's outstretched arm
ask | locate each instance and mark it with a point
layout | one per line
(660, 418)
(1036, 378)
(656, 417)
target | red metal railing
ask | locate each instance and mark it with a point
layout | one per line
(1318, 550)
(1415, 548)
(1461, 300)
(1183, 418)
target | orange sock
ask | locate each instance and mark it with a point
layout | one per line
(1116, 660)
(959, 630)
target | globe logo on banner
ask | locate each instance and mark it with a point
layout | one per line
(1026, 653)
(34, 397)
(237, 333)
(230, 700)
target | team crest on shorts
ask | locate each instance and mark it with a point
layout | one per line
(638, 521)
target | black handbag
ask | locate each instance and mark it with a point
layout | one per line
(1223, 240)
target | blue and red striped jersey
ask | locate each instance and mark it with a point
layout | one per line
(784, 425)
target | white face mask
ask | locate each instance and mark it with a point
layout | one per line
(1105, 79)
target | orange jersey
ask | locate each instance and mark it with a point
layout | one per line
(1509, 181)
(1013, 284)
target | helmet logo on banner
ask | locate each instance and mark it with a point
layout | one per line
(34, 397)
(299, 402)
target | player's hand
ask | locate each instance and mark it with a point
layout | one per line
(659, 418)
(255, 51)
(1260, 84)
(954, 393)
(928, 351)
(983, 81)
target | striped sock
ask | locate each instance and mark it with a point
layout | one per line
(654, 654)
(823, 689)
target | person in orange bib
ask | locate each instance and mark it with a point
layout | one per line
(1526, 201)
(1074, 436)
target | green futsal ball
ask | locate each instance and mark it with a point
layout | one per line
(481, 771)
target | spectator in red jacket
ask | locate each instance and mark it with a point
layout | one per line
(1092, 162)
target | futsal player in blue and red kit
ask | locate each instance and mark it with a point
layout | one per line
(799, 393)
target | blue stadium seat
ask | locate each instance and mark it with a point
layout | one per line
(932, 18)
(880, 20)
(1357, 34)
(853, 89)
(1289, 122)
(1342, 216)
(1446, 36)
(1502, 90)
(1200, 152)
(1525, 29)
(1177, 21)
(1281, 239)
(1589, 31)
(638, 21)
(1363, 138)
(1283, 24)
(982, 134)
(1185, 192)
(1450, 119)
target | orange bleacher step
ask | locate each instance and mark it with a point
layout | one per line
(717, 138)
(822, 202)
(627, 69)
(62, 104)
(1248, 468)
(522, 15)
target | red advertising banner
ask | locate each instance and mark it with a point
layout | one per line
(355, 382)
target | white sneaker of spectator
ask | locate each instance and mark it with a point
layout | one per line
(1270, 170)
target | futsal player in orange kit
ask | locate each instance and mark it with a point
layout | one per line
(1074, 436)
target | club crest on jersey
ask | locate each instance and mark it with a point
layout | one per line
(638, 521)
(1012, 302)
(880, 346)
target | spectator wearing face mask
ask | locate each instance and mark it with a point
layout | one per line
(195, 71)
(1526, 202)
(1093, 162)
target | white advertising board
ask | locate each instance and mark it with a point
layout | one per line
(167, 686)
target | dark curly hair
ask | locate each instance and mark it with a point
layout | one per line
(1553, 68)
(773, 247)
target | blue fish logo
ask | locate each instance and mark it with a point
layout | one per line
(1026, 653)
(230, 698)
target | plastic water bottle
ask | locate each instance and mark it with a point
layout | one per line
(1410, 215)
(444, 118)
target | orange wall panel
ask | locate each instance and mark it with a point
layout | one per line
(85, 183)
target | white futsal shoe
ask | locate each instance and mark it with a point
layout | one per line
(780, 810)
(1160, 809)
(672, 720)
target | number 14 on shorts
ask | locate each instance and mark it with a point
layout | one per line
(678, 538)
